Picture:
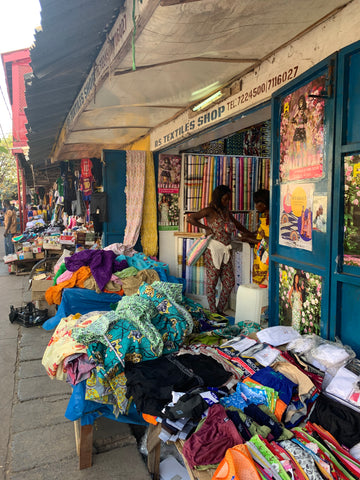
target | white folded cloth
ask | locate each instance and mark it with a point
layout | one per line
(219, 252)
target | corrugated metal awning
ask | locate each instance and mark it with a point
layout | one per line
(71, 37)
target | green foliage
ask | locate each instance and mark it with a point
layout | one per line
(8, 174)
(352, 206)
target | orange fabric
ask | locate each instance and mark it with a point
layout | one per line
(53, 294)
(119, 292)
(149, 418)
(237, 465)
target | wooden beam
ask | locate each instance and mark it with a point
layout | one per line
(84, 444)
(191, 59)
(108, 128)
(166, 3)
(154, 447)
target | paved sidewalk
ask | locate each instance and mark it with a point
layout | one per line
(37, 442)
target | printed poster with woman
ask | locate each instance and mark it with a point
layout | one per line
(168, 191)
(296, 215)
(302, 132)
(300, 300)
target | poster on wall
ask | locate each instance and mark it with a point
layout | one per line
(168, 191)
(302, 132)
(296, 215)
(320, 212)
(300, 299)
(352, 210)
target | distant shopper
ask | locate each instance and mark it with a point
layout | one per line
(10, 227)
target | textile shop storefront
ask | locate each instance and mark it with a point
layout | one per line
(314, 188)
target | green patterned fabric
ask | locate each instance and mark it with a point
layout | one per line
(173, 291)
(169, 321)
(112, 392)
(127, 272)
(95, 331)
(142, 327)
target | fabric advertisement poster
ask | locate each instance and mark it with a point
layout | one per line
(296, 215)
(320, 212)
(352, 210)
(302, 132)
(300, 300)
(168, 191)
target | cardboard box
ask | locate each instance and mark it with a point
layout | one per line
(10, 258)
(42, 304)
(67, 239)
(38, 289)
(40, 255)
(28, 255)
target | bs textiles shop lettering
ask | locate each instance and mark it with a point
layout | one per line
(186, 125)
(202, 120)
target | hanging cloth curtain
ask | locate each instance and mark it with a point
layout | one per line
(135, 188)
(149, 235)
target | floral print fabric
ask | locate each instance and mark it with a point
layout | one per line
(60, 346)
(135, 187)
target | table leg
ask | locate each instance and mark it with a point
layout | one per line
(84, 444)
(153, 447)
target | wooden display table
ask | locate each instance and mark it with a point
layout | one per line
(24, 266)
(84, 448)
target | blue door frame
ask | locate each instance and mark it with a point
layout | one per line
(114, 186)
(318, 260)
(345, 281)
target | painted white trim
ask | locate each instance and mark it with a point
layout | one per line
(335, 33)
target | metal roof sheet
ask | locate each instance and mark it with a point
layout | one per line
(72, 34)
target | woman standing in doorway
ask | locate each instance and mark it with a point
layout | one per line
(221, 224)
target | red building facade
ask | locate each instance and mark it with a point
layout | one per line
(16, 64)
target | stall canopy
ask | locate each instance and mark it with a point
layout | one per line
(82, 99)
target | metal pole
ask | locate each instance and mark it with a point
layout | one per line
(19, 191)
(23, 182)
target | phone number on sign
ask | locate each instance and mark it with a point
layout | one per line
(264, 87)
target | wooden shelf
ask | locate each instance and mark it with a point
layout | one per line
(188, 234)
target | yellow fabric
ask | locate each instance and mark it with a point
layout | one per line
(260, 268)
(53, 294)
(131, 285)
(149, 232)
(60, 346)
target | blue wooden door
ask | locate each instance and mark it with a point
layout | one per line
(302, 172)
(344, 316)
(114, 186)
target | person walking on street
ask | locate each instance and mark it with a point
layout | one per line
(10, 227)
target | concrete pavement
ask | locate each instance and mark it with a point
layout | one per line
(37, 442)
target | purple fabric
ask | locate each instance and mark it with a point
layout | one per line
(209, 444)
(78, 368)
(102, 264)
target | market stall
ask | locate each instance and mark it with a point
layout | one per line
(261, 396)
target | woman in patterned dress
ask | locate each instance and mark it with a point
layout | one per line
(221, 224)
(296, 301)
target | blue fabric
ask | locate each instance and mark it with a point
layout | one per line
(89, 411)
(81, 300)
(143, 262)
